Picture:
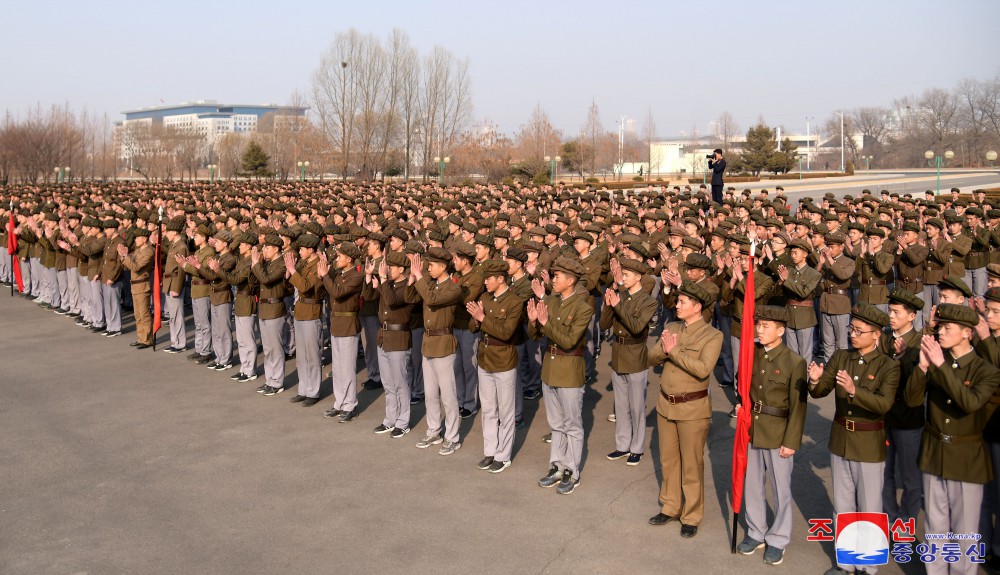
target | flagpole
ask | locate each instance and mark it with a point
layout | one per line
(156, 270)
(10, 233)
(743, 390)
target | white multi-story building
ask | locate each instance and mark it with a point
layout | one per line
(207, 118)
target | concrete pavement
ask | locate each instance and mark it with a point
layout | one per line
(124, 461)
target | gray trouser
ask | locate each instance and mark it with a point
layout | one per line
(86, 293)
(976, 280)
(97, 302)
(272, 336)
(800, 341)
(593, 343)
(857, 487)
(630, 410)
(178, 331)
(415, 369)
(62, 290)
(392, 366)
(523, 370)
(309, 357)
(931, 297)
(466, 364)
(734, 345)
(952, 507)
(725, 367)
(535, 349)
(5, 265)
(201, 309)
(564, 410)
(369, 331)
(440, 393)
(222, 333)
(246, 343)
(990, 509)
(50, 286)
(113, 305)
(834, 333)
(290, 322)
(766, 466)
(496, 394)
(72, 302)
(343, 359)
(901, 453)
(35, 266)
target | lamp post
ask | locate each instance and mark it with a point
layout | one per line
(808, 144)
(868, 163)
(842, 165)
(67, 177)
(991, 157)
(58, 172)
(211, 172)
(800, 166)
(441, 162)
(343, 116)
(935, 160)
(302, 170)
(552, 168)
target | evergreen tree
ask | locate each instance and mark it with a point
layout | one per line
(785, 159)
(255, 161)
(758, 149)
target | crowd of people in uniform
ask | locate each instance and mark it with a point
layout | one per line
(474, 300)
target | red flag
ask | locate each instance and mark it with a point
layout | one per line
(745, 374)
(157, 306)
(12, 250)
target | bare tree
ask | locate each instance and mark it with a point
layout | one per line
(727, 129)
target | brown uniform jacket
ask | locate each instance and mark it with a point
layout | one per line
(836, 281)
(140, 264)
(937, 262)
(440, 299)
(500, 326)
(629, 324)
(200, 285)
(173, 274)
(911, 268)
(273, 289)
(778, 385)
(344, 288)
(309, 306)
(222, 292)
(797, 292)
(952, 445)
(762, 288)
(979, 249)
(472, 285)
(247, 287)
(875, 273)
(686, 369)
(961, 245)
(111, 263)
(393, 314)
(876, 377)
(563, 364)
(902, 416)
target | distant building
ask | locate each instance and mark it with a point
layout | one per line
(206, 118)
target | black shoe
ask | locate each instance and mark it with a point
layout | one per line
(98, 329)
(661, 519)
(273, 390)
(236, 376)
(348, 416)
(223, 366)
(263, 388)
(688, 531)
(547, 438)
(485, 462)
(616, 455)
(634, 459)
(298, 398)
(732, 412)
(289, 356)
(194, 356)
(211, 365)
(310, 401)
(134, 344)
(203, 360)
(466, 414)
(143, 346)
(173, 350)
(416, 400)
(399, 432)
(372, 384)
(383, 428)
(552, 478)
(531, 395)
(332, 412)
(113, 333)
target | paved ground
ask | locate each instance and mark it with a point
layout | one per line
(123, 461)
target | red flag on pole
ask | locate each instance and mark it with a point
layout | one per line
(157, 306)
(12, 250)
(745, 374)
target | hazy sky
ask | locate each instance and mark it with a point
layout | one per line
(687, 61)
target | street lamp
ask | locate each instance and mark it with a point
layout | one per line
(800, 166)
(211, 172)
(991, 157)
(302, 170)
(58, 173)
(552, 168)
(66, 176)
(441, 162)
(842, 165)
(868, 163)
(935, 160)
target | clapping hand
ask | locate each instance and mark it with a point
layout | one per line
(815, 371)
(122, 250)
(844, 380)
(213, 264)
(899, 346)
(668, 341)
(932, 349)
(254, 256)
(537, 288)
(543, 312)
(532, 311)
(323, 265)
(475, 309)
(612, 298)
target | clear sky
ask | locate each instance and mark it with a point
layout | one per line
(687, 61)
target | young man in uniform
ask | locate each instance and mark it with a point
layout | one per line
(497, 316)
(778, 403)
(440, 297)
(864, 381)
(796, 286)
(140, 263)
(563, 318)
(245, 304)
(269, 270)
(344, 285)
(174, 277)
(689, 349)
(201, 290)
(308, 310)
(470, 280)
(394, 340)
(957, 384)
(627, 312)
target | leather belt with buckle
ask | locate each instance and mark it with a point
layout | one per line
(675, 398)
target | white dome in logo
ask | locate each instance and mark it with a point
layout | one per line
(864, 538)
